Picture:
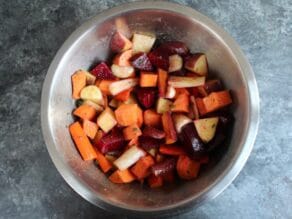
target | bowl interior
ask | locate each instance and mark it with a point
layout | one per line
(91, 45)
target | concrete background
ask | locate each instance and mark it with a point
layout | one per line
(31, 33)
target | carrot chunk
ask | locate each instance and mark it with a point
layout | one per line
(82, 142)
(122, 176)
(213, 102)
(127, 114)
(187, 168)
(141, 168)
(78, 83)
(201, 106)
(140, 119)
(162, 82)
(124, 95)
(148, 79)
(151, 118)
(85, 112)
(181, 104)
(217, 100)
(131, 132)
(168, 127)
(104, 163)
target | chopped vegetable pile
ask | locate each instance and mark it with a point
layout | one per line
(149, 115)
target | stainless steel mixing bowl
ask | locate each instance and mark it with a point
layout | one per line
(88, 44)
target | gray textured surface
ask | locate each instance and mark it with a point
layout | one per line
(30, 34)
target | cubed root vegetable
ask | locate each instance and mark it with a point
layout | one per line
(129, 157)
(131, 132)
(103, 162)
(213, 102)
(180, 91)
(181, 104)
(217, 100)
(194, 108)
(123, 59)
(127, 114)
(163, 105)
(180, 82)
(122, 71)
(197, 63)
(124, 95)
(141, 168)
(120, 43)
(151, 118)
(97, 137)
(153, 132)
(142, 42)
(169, 129)
(170, 92)
(82, 142)
(122, 85)
(122, 176)
(201, 106)
(96, 106)
(104, 86)
(171, 150)
(85, 112)
(89, 128)
(187, 168)
(148, 79)
(106, 120)
(180, 120)
(155, 181)
(93, 93)
(162, 82)
(90, 78)
(175, 63)
(206, 128)
(78, 83)
(105, 101)
(140, 118)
